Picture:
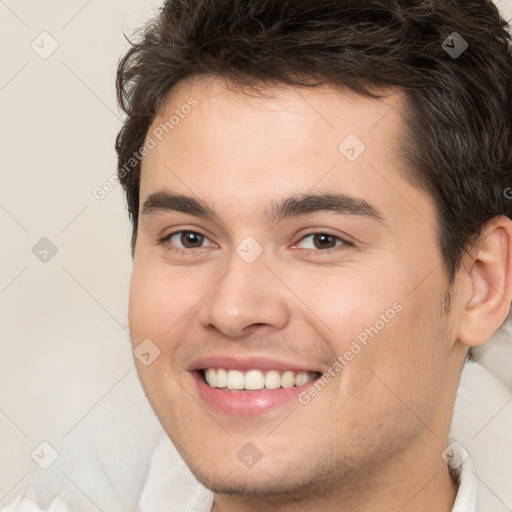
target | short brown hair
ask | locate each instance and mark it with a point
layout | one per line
(459, 115)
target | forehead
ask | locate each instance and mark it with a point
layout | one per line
(309, 115)
(240, 148)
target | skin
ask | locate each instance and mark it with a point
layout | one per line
(373, 437)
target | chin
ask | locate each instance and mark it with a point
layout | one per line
(261, 485)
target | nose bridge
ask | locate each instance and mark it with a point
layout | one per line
(248, 293)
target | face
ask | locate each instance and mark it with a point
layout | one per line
(282, 255)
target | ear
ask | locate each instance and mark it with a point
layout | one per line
(488, 277)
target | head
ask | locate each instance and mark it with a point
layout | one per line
(341, 177)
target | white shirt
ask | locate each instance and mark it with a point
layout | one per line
(465, 500)
(472, 497)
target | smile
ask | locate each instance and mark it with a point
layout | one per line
(255, 380)
(250, 392)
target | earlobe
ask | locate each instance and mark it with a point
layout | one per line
(489, 283)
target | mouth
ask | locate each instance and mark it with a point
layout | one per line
(255, 380)
(245, 391)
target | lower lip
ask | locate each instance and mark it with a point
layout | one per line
(246, 403)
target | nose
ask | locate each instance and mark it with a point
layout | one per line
(247, 297)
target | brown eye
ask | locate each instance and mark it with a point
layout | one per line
(190, 239)
(322, 242)
(184, 241)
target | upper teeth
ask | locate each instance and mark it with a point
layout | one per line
(256, 379)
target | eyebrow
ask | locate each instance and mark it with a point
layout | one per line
(294, 206)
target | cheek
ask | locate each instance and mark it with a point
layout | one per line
(159, 300)
(405, 361)
(344, 302)
(379, 324)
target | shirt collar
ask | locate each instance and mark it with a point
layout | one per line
(462, 467)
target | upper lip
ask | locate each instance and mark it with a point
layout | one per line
(249, 363)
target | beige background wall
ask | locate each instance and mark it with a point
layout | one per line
(66, 371)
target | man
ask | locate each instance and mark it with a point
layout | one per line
(321, 233)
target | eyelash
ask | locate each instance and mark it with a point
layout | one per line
(162, 241)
